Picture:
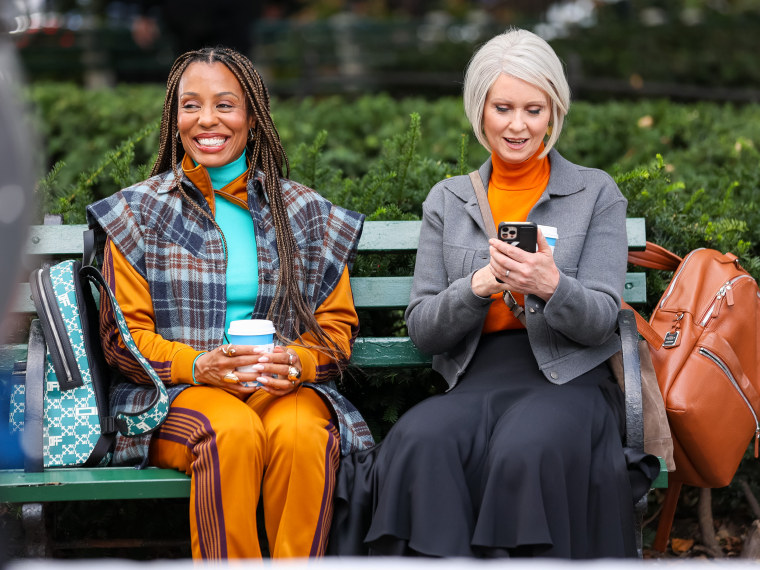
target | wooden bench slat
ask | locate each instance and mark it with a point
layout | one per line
(637, 233)
(99, 483)
(10, 353)
(387, 352)
(661, 481)
(377, 292)
(390, 236)
(55, 240)
(381, 292)
(379, 236)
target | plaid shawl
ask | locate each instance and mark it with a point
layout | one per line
(180, 253)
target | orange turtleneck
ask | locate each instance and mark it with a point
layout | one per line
(513, 190)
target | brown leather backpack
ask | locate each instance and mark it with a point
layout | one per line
(703, 336)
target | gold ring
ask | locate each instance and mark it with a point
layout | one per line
(230, 377)
(230, 351)
(293, 373)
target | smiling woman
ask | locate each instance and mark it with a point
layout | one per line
(220, 234)
(213, 120)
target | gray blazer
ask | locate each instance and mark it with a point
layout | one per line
(571, 333)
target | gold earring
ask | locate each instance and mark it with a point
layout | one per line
(549, 131)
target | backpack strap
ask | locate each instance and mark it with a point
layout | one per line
(645, 329)
(34, 395)
(151, 417)
(655, 257)
(88, 238)
(485, 211)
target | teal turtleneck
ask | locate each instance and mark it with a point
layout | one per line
(237, 226)
(222, 175)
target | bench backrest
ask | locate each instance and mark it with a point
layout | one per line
(47, 242)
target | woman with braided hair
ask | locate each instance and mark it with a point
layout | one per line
(218, 233)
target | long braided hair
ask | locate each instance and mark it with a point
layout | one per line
(289, 310)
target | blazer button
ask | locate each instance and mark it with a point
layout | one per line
(554, 375)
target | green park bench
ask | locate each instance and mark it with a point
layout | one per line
(50, 242)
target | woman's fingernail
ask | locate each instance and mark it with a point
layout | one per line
(263, 380)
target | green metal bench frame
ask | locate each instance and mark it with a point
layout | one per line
(120, 483)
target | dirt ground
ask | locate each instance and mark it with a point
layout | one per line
(90, 529)
(733, 519)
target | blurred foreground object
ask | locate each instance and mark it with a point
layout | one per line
(16, 183)
(16, 160)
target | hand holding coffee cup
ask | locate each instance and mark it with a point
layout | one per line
(280, 371)
(258, 333)
(250, 361)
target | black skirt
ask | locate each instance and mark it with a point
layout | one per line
(505, 464)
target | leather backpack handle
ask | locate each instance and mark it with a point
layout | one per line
(655, 257)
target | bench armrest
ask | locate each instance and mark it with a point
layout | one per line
(634, 408)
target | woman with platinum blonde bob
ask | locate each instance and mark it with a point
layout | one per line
(219, 233)
(523, 455)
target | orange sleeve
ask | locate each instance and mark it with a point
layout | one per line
(337, 317)
(173, 361)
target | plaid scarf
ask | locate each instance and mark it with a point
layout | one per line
(180, 253)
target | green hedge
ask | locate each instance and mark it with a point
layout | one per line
(380, 156)
(690, 169)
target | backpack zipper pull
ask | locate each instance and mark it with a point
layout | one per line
(672, 337)
(729, 295)
(717, 303)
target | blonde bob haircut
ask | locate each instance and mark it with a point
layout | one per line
(524, 55)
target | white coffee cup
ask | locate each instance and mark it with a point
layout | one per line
(252, 332)
(550, 233)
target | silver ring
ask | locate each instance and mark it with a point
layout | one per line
(506, 274)
(290, 358)
(293, 382)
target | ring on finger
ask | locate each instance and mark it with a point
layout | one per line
(229, 350)
(290, 358)
(231, 377)
(506, 274)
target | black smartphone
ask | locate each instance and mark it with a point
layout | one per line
(520, 234)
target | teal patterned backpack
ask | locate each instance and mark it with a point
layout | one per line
(62, 407)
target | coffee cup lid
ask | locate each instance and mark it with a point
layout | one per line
(251, 327)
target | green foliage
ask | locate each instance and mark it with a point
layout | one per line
(689, 169)
(70, 200)
(79, 127)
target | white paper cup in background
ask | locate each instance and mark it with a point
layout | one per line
(252, 332)
(550, 233)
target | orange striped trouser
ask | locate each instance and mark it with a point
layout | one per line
(286, 448)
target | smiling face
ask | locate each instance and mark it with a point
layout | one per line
(516, 116)
(212, 118)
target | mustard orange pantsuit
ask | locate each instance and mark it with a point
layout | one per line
(290, 439)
